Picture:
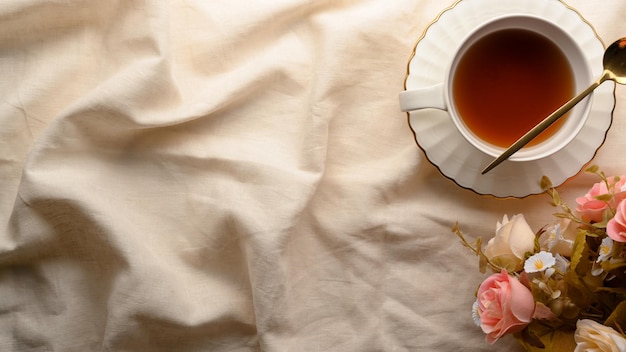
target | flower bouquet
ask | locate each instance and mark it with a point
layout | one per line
(562, 288)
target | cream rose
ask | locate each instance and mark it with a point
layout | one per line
(593, 336)
(513, 239)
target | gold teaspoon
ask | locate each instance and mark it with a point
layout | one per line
(614, 62)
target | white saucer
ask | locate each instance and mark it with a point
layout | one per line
(444, 146)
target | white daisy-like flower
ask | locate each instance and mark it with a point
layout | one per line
(539, 262)
(475, 314)
(605, 250)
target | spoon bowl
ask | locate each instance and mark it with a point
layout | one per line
(614, 61)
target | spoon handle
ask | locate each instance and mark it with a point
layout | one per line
(547, 122)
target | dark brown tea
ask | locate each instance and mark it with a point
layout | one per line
(509, 81)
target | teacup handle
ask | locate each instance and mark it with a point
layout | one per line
(421, 98)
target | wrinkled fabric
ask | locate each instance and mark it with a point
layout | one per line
(192, 175)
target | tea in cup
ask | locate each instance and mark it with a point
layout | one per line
(506, 77)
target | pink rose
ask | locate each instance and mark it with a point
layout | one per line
(505, 306)
(592, 209)
(616, 227)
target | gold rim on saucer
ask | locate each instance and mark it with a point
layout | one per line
(450, 153)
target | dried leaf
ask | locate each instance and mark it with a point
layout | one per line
(614, 290)
(610, 266)
(577, 291)
(561, 340)
(525, 280)
(604, 197)
(556, 198)
(580, 247)
(551, 339)
(482, 264)
(507, 262)
(532, 339)
(617, 319)
(542, 312)
(545, 183)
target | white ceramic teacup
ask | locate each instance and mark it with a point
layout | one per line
(440, 96)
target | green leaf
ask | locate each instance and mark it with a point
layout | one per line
(580, 248)
(509, 262)
(593, 169)
(546, 183)
(604, 197)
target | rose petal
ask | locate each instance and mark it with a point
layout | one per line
(616, 227)
(505, 305)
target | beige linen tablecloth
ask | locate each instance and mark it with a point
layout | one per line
(193, 175)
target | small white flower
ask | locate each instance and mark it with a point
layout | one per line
(475, 314)
(604, 253)
(539, 262)
(553, 293)
(597, 269)
(553, 234)
(605, 250)
(562, 264)
(559, 238)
